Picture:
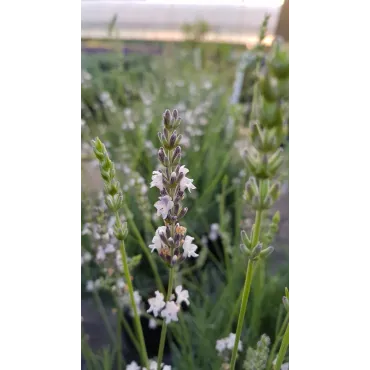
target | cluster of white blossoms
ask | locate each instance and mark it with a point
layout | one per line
(170, 240)
(225, 345)
(168, 310)
(152, 366)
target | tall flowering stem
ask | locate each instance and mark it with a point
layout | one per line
(170, 241)
(263, 158)
(114, 201)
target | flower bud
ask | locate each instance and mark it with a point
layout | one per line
(166, 134)
(120, 231)
(271, 115)
(163, 238)
(286, 292)
(171, 242)
(245, 239)
(174, 260)
(256, 251)
(175, 114)
(275, 191)
(177, 142)
(176, 155)
(172, 139)
(176, 209)
(114, 202)
(182, 213)
(168, 231)
(167, 118)
(112, 187)
(99, 155)
(161, 155)
(279, 65)
(286, 303)
(269, 88)
(105, 175)
(106, 164)
(244, 249)
(266, 252)
(249, 191)
(173, 178)
(267, 202)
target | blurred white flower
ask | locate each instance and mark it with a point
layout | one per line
(119, 262)
(182, 295)
(109, 249)
(156, 303)
(213, 234)
(157, 180)
(230, 342)
(189, 248)
(166, 367)
(133, 366)
(164, 205)
(170, 312)
(227, 344)
(204, 240)
(220, 345)
(91, 285)
(86, 229)
(137, 299)
(100, 255)
(120, 283)
(87, 256)
(152, 324)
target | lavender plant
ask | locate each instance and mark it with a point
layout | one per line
(170, 240)
(263, 158)
(114, 201)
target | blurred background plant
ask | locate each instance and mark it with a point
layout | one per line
(124, 92)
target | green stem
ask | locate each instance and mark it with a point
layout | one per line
(223, 226)
(164, 326)
(246, 290)
(276, 342)
(283, 349)
(130, 334)
(139, 329)
(145, 249)
(243, 309)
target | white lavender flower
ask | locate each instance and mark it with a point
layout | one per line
(170, 312)
(120, 283)
(186, 183)
(227, 344)
(152, 324)
(157, 180)
(109, 249)
(156, 241)
(164, 205)
(86, 257)
(213, 234)
(189, 248)
(156, 303)
(92, 285)
(100, 255)
(133, 366)
(182, 295)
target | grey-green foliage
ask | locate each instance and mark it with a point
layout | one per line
(257, 358)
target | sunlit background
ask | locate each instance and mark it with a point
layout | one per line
(231, 21)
